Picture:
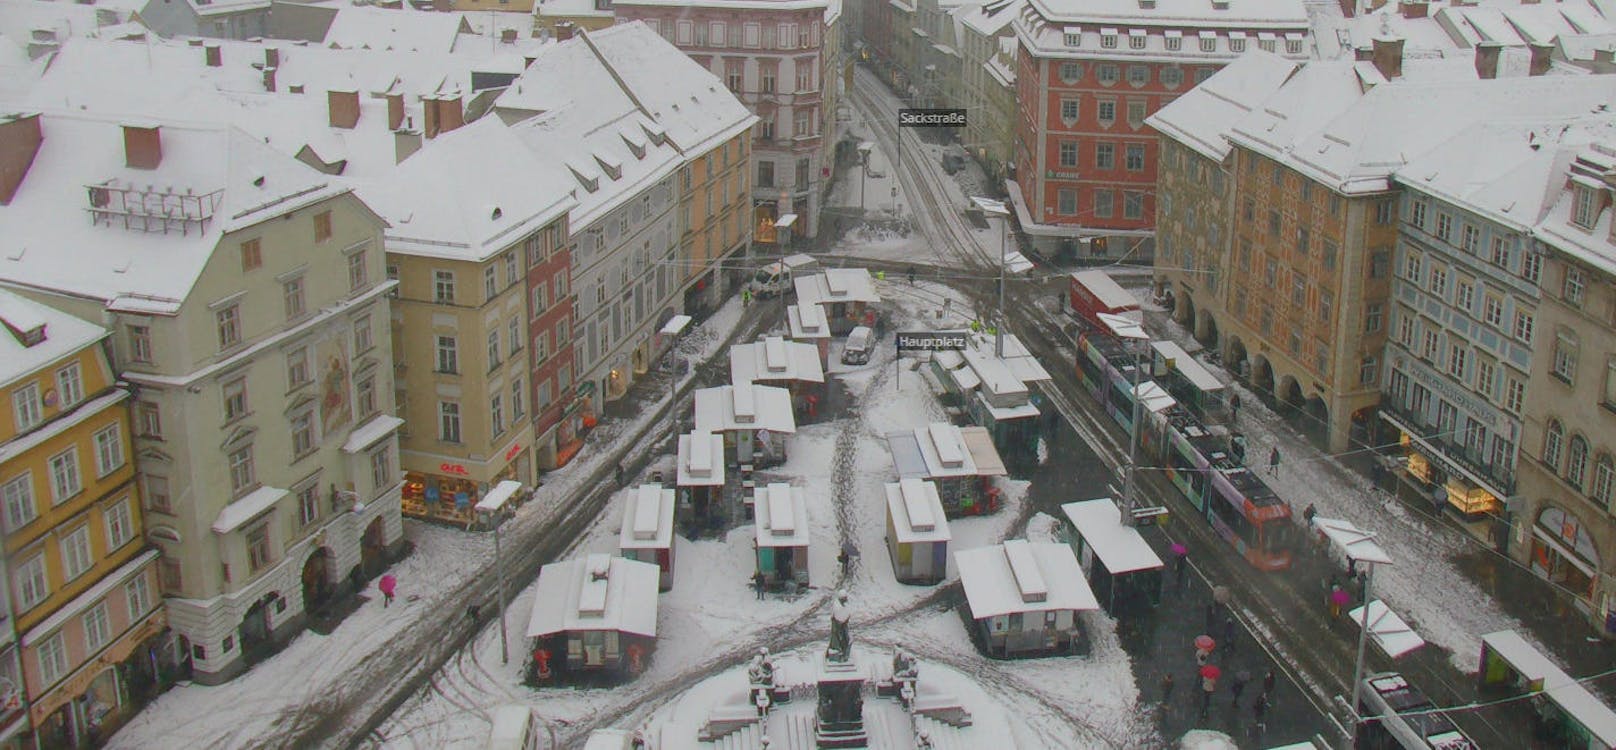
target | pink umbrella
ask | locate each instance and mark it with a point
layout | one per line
(1204, 642)
(1340, 597)
(387, 584)
(1180, 550)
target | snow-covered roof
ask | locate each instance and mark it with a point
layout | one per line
(1590, 245)
(1024, 410)
(45, 22)
(836, 285)
(995, 375)
(781, 511)
(916, 511)
(979, 444)
(775, 359)
(1522, 656)
(744, 407)
(60, 336)
(1387, 630)
(61, 424)
(701, 460)
(990, 19)
(1250, 14)
(496, 499)
(1569, 694)
(944, 450)
(220, 177)
(1187, 366)
(367, 434)
(808, 321)
(1023, 576)
(1121, 549)
(1153, 397)
(247, 508)
(1353, 542)
(732, 4)
(405, 29)
(1017, 357)
(597, 592)
(648, 519)
(1105, 289)
(581, 8)
(1201, 117)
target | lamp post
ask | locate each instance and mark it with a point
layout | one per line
(864, 149)
(1125, 328)
(1363, 639)
(675, 326)
(998, 208)
(494, 508)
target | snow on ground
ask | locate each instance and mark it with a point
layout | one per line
(1206, 739)
(242, 712)
(1423, 585)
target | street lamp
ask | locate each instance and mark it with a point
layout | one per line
(494, 508)
(997, 208)
(1367, 552)
(675, 326)
(864, 149)
(1127, 328)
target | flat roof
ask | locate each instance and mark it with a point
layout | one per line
(744, 407)
(1187, 366)
(775, 359)
(979, 444)
(1120, 548)
(1106, 289)
(648, 519)
(916, 511)
(1387, 630)
(836, 285)
(808, 321)
(781, 511)
(598, 592)
(992, 588)
(701, 460)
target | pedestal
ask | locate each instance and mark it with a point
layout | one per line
(840, 718)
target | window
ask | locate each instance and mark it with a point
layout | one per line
(97, 631)
(1303, 240)
(64, 469)
(1484, 377)
(235, 399)
(1133, 205)
(302, 433)
(1135, 157)
(1610, 382)
(1071, 72)
(1586, 210)
(1531, 267)
(1572, 289)
(1380, 262)
(1417, 213)
(1066, 201)
(1107, 112)
(361, 335)
(381, 467)
(1069, 108)
(1298, 289)
(1136, 113)
(1072, 40)
(358, 275)
(1385, 211)
(1405, 331)
(1368, 370)
(1457, 354)
(1138, 75)
(1136, 41)
(108, 450)
(292, 296)
(1565, 355)
(1464, 296)
(1326, 305)
(767, 74)
(1237, 44)
(229, 324)
(1444, 227)
(258, 556)
(1374, 314)
(242, 474)
(251, 255)
(1108, 41)
(449, 421)
(1552, 439)
(490, 281)
(297, 368)
(1208, 44)
(1514, 395)
(443, 287)
(156, 492)
(1411, 268)
(322, 226)
(1469, 237)
(52, 659)
(76, 553)
(1105, 156)
(765, 174)
(1107, 74)
(448, 355)
(1174, 44)
(26, 407)
(69, 386)
(733, 75)
(18, 494)
(1068, 153)
(1429, 345)
(1102, 204)
(1577, 462)
(308, 504)
(365, 398)
(1439, 281)
(138, 594)
(140, 344)
(496, 412)
(1523, 327)
(1492, 311)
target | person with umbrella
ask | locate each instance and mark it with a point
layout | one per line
(1180, 563)
(1203, 649)
(387, 585)
(1209, 685)
(1338, 598)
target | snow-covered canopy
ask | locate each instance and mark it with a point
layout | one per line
(1558, 686)
(836, 285)
(701, 460)
(1120, 548)
(744, 407)
(808, 321)
(648, 519)
(1023, 576)
(1352, 541)
(598, 592)
(916, 511)
(781, 511)
(775, 359)
(1387, 630)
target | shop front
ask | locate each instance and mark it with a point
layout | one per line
(97, 698)
(450, 493)
(1564, 553)
(576, 422)
(1449, 484)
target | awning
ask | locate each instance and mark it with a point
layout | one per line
(496, 498)
(247, 508)
(1387, 630)
(371, 433)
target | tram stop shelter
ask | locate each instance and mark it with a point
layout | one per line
(847, 294)
(960, 460)
(753, 420)
(596, 614)
(781, 511)
(781, 363)
(699, 477)
(807, 323)
(1024, 598)
(1117, 561)
(1583, 721)
(917, 531)
(1350, 544)
(1389, 632)
(647, 533)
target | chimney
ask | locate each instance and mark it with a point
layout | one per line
(395, 111)
(344, 107)
(1388, 56)
(450, 113)
(1540, 58)
(214, 55)
(20, 137)
(563, 31)
(1487, 59)
(1413, 8)
(142, 145)
(430, 116)
(269, 78)
(405, 142)
(272, 57)
(1604, 60)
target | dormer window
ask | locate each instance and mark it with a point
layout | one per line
(1209, 41)
(1293, 44)
(1073, 38)
(1586, 209)
(1175, 41)
(1136, 39)
(1108, 38)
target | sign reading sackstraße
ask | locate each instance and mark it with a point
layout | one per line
(937, 341)
(931, 118)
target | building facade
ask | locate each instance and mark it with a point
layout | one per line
(83, 581)
(987, 83)
(259, 356)
(1087, 78)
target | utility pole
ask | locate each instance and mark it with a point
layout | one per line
(499, 563)
(1363, 638)
(1129, 330)
(494, 508)
(992, 207)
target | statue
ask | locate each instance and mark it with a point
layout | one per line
(903, 665)
(840, 648)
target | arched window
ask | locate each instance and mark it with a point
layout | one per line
(1551, 444)
(1577, 462)
(1604, 477)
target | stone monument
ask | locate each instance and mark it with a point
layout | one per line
(840, 716)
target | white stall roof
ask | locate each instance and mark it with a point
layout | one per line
(744, 407)
(1016, 357)
(917, 511)
(1154, 397)
(598, 592)
(1186, 365)
(701, 460)
(995, 374)
(498, 496)
(979, 444)
(1589, 711)
(775, 359)
(1120, 548)
(1106, 290)
(1522, 657)
(1387, 630)
(1353, 542)
(1006, 413)
(964, 378)
(836, 285)
(782, 516)
(648, 520)
(991, 585)
(808, 321)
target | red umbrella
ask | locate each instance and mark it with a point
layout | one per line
(1204, 642)
(1211, 671)
(387, 583)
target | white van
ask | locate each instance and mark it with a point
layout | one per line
(775, 278)
(860, 342)
(513, 729)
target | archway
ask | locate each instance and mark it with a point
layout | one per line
(1184, 310)
(254, 630)
(1564, 553)
(1262, 378)
(319, 579)
(1206, 330)
(373, 549)
(1288, 398)
(1316, 419)
(1235, 358)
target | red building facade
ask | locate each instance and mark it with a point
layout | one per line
(560, 415)
(1088, 76)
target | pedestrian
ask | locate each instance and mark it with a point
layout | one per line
(1234, 407)
(911, 276)
(1167, 687)
(746, 297)
(1238, 685)
(1180, 563)
(842, 559)
(1307, 515)
(757, 583)
(1202, 655)
(471, 613)
(1211, 615)
(387, 586)
(1209, 685)
(1268, 683)
(1273, 462)
(622, 475)
(1260, 709)
(1229, 629)
(1338, 599)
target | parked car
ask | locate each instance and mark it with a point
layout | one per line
(860, 342)
(775, 278)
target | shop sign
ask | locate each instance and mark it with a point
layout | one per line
(1464, 399)
(456, 469)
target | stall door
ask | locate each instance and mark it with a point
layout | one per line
(906, 563)
(939, 559)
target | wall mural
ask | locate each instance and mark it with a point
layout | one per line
(336, 409)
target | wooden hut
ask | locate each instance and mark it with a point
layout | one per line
(848, 295)
(753, 420)
(917, 531)
(781, 511)
(699, 477)
(647, 533)
(808, 323)
(778, 362)
(594, 614)
(960, 460)
(1024, 598)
